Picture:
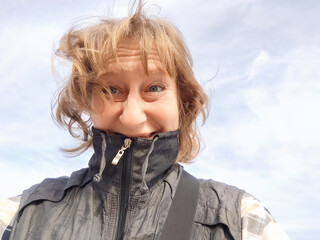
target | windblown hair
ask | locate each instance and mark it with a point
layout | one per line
(91, 48)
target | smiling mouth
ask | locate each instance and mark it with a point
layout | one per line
(146, 136)
(151, 135)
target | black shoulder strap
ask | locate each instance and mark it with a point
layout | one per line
(6, 233)
(178, 225)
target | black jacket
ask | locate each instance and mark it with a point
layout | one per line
(129, 200)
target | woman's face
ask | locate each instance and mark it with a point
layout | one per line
(142, 105)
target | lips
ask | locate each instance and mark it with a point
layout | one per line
(146, 135)
(151, 135)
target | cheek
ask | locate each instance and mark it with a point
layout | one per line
(98, 114)
(176, 110)
(169, 114)
(104, 114)
(176, 116)
(97, 105)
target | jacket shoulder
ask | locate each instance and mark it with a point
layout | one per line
(219, 206)
(213, 194)
(53, 189)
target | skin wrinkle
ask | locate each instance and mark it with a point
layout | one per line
(128, 44)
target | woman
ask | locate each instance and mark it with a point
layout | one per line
(133, 77)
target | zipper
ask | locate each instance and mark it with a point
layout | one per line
(126, 144)
(124, 187)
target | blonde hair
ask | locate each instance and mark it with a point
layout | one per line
(91, 48)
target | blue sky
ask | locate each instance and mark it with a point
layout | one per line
(263, 131)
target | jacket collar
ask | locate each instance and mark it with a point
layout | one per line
(144, 163)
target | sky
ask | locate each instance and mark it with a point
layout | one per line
(258, 61)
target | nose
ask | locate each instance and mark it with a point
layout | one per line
(133, 114)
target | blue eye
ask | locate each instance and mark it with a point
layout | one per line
(155, 89)
(113, 90)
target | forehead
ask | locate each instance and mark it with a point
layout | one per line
(129, 59)
(129, 48)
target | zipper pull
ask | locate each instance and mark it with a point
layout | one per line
(126, 144)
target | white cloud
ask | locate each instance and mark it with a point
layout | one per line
(259, 63)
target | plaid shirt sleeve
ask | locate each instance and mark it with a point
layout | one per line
(8, 209)
(257, 222)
